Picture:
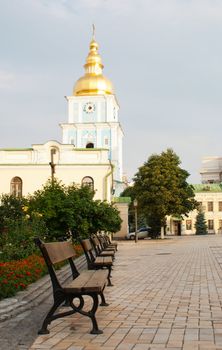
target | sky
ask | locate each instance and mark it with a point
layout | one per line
(164, 58)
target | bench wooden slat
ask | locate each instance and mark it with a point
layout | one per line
(88, 281)
(104, 260)
(107, 253)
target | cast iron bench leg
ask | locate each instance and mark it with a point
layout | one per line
(109, 275)
(49, 317)
(92, 312)
(103, 300)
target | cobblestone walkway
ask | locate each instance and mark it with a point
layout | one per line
(166, 295)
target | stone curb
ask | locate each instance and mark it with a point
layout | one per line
(36, 293)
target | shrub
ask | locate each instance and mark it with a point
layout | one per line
(16, 242)
(10, 210)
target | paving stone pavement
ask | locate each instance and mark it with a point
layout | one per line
(167, 295)
(21, 316)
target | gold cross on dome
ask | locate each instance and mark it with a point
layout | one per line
(94, 30)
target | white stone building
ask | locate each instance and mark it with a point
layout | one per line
(209, 197)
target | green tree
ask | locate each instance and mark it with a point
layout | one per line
(71, 211)
(80, 207)
(49, 204)
(66, 210)
(161, 188)
(200, 224)
(105, 218)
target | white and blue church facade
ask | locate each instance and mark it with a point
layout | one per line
(90, 151)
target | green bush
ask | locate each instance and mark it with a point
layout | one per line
(16, 241)
(56, 212)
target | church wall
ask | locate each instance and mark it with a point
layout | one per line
(34, 177)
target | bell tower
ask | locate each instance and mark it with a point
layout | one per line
(93, 120)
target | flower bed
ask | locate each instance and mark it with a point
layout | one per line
(17, 275)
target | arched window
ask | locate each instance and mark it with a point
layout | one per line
(16, 186)
(88, 181)
(90, 145)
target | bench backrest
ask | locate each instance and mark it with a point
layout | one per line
(54, 253)
(96, 244)
(102, 241)
(88, 250)
(59, 251)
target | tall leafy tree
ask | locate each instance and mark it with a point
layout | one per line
(162, 189)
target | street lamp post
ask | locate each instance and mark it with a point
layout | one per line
(52, 164)
(135, 204)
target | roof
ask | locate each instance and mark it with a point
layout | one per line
(207, 188)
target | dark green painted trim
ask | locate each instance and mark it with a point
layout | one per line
(121, 199)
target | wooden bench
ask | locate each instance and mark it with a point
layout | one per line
(98, 248)
(86, 283)
(106, 243)
(97, 262)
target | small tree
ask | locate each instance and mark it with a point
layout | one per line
(200, 224)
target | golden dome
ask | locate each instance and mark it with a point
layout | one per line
(93, 82)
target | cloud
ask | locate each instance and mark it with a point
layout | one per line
(152, 9)
(7, 79)
(163, 57)
(59, 9)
